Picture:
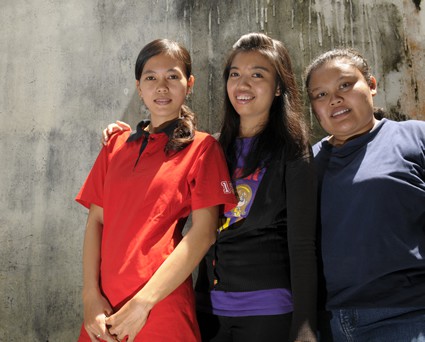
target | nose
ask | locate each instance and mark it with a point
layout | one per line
(162, 87)
(335, 100)
(243, 82)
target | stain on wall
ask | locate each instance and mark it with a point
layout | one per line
(417, 4)
(66, 70)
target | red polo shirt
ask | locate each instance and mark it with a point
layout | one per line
(146, 197)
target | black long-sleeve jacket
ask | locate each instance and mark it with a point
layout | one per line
(274, 247)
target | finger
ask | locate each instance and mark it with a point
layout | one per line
(123, 125)
(105, 136)
(101, 336)
(107, 336)
(93, 337)
(108, 312)
(113, 128)
(111, 330)
(120, 339)
(110, 338)
(90, 330)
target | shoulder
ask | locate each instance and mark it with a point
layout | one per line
(202, 143)
(407, 139)
(404, 125)
(407, 130)
(413, 125)
(205, 139)
(305, 160)
(117, 140)
(202, 135)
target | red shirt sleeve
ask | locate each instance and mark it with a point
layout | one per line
(209, 179)
(92, 190)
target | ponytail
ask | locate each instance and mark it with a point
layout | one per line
(184, 133)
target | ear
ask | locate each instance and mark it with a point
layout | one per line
(190, 84)
(373, 85)
(139, 91)
(278, 91)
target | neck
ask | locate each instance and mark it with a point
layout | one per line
(250, 128)
(338, 141)
(157, 126)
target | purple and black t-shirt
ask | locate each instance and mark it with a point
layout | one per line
(247, 303)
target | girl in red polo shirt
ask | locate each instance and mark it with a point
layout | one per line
(140, 191)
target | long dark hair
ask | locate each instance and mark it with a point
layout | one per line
(285, 129)
(185, 131)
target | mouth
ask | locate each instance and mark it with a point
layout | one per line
(340, 112)
(244, 98)
(162, 101)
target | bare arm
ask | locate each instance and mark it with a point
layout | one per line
(130, 319)
(96, 307)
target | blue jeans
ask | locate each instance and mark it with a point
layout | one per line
(373, 325)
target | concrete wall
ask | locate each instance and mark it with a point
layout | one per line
(66, 70)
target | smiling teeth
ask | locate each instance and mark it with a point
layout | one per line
(340, 112)
(243, 98)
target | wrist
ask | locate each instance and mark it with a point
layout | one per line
(89, 291)
(144, 300)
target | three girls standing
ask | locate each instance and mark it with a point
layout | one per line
(372, 190)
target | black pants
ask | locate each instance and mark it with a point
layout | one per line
(244, 329)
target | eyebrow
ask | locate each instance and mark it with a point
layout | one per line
(154, 72)
(309, 90)
(253, 68)
(338, 80)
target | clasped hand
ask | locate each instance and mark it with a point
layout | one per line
(128, 321)
(101, 324)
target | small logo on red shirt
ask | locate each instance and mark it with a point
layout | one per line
(227, 187)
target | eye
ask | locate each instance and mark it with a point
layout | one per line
(257, 75)
(345, 85)
(149, 78)
(318, 96)
(233, 74)
(173, 77)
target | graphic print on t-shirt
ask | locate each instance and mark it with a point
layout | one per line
(246, 188)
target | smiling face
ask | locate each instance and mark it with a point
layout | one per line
(251, 87)
(163, 86)
(341, 99)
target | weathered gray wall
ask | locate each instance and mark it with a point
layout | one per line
(66, 70)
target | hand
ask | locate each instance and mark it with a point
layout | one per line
(112, 128)
(96, 309)
(129, 320)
